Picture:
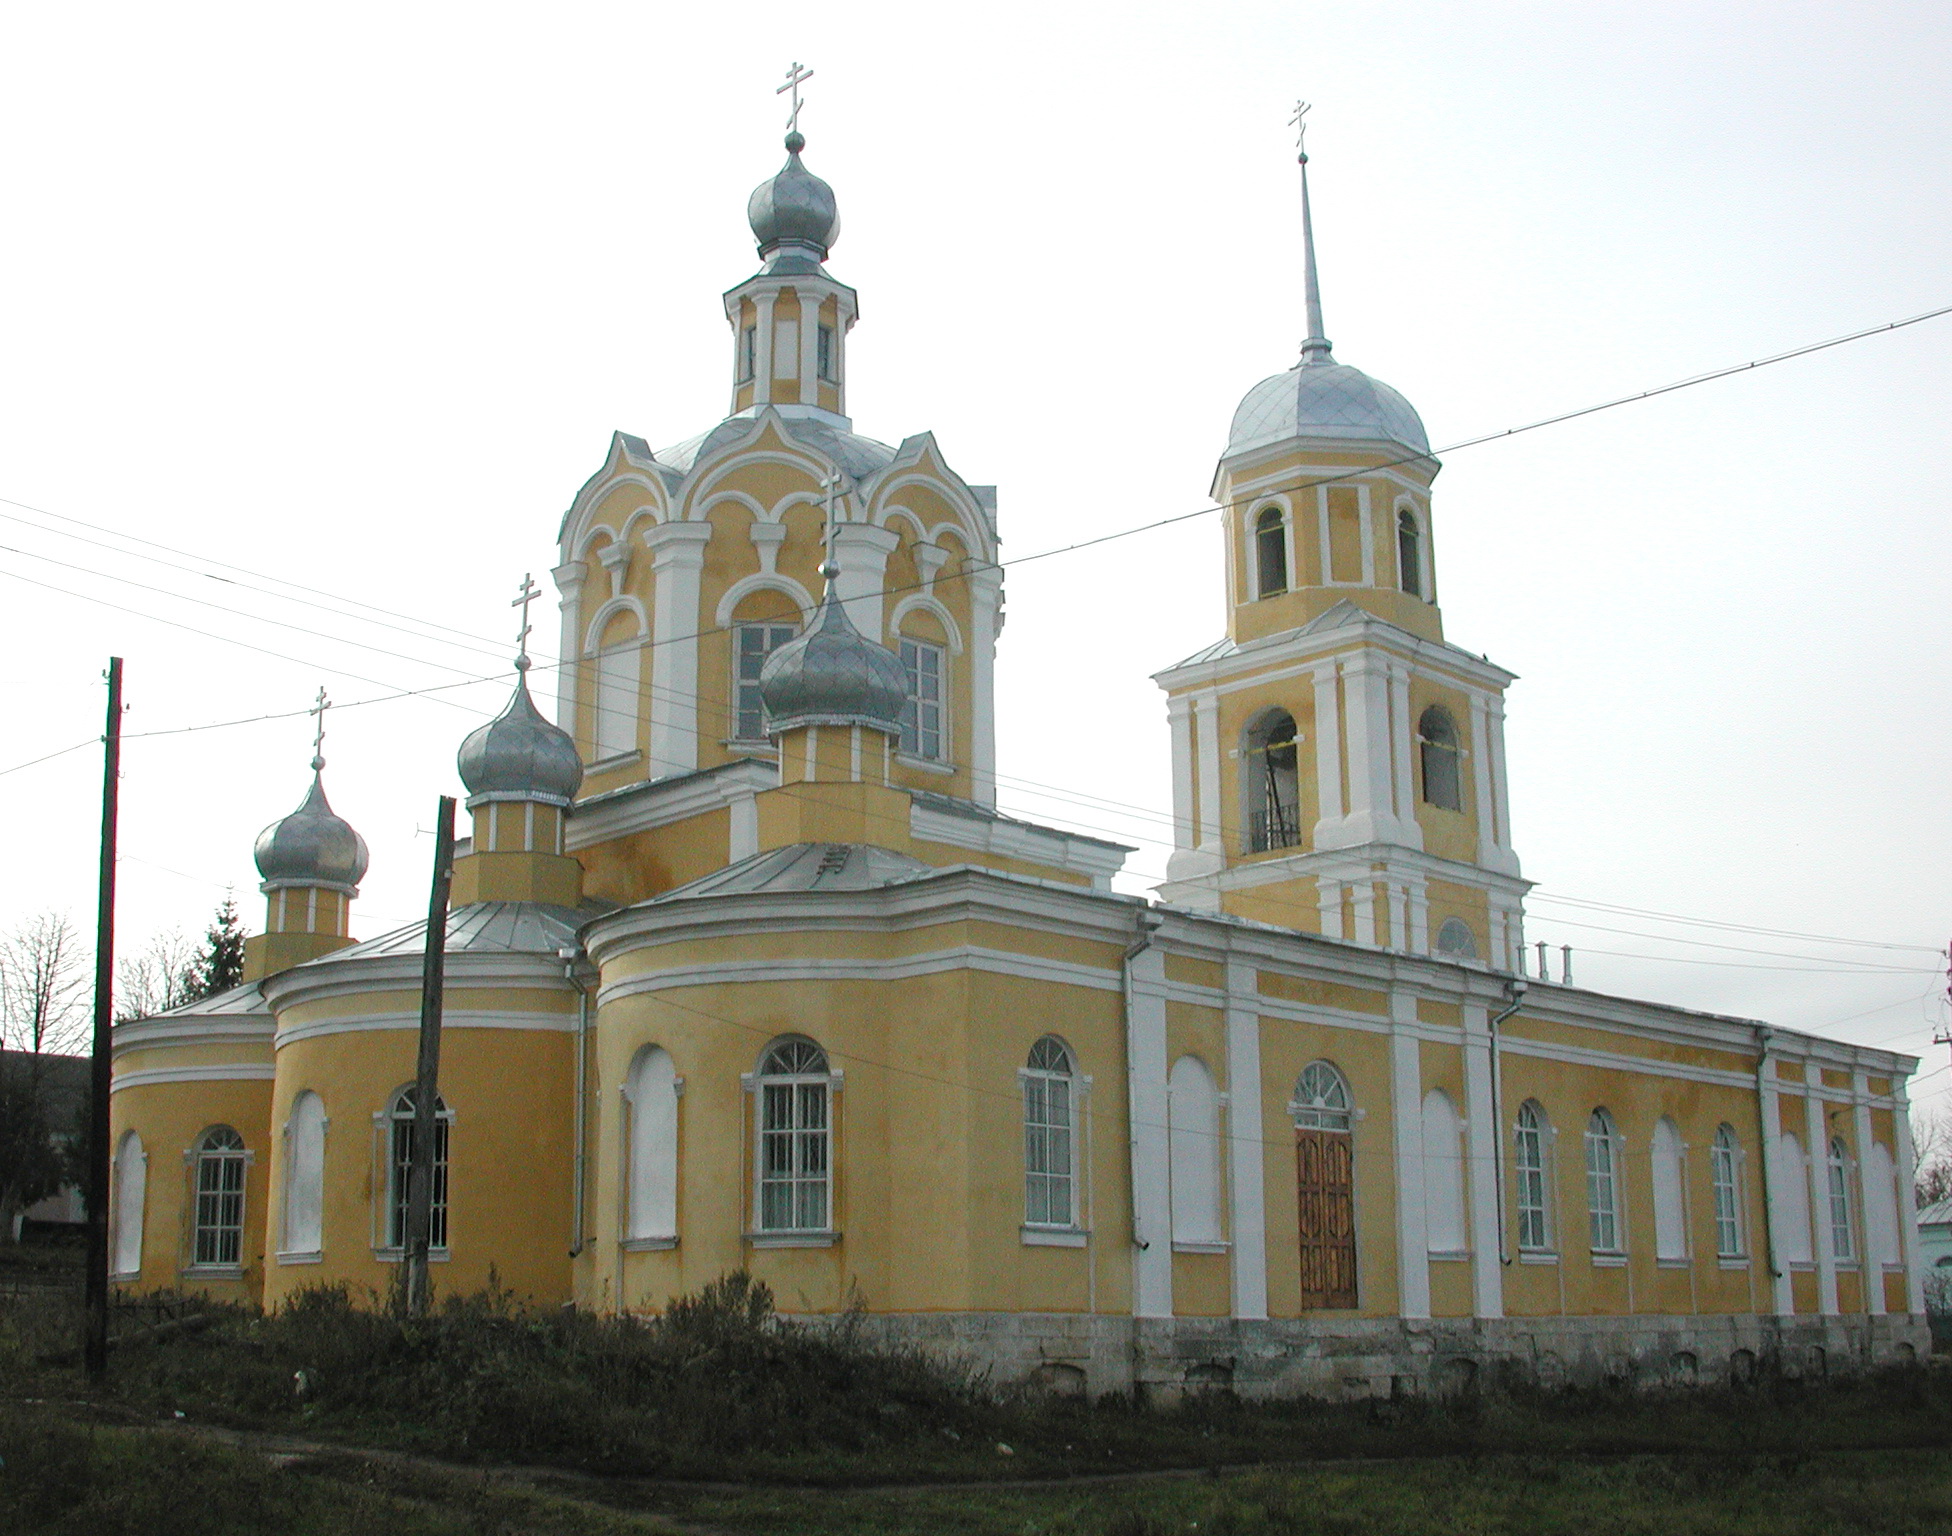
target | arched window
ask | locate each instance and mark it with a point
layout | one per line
(1603, 1183)
(1270, 553)
(1049, 1135)
(795, 1138)
(1325, 1187)
(305, 1176)
(1724, 1163)
(1437, 744)
(1193, 1108)
(751, 645)
(130, 1190)
(1792, 1201)
(1530, 1147)
(1670, 1209)
(651, 1090)
(1455, 939)
(1842, 1244)
(1409, 553)
(1443, 1175)
(1273, 793)
(399, 1162)
(219, 1236)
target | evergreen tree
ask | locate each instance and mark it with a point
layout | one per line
(219, 962)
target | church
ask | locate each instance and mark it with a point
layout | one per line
(745, 970)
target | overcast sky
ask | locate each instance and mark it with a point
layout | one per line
(354, 296)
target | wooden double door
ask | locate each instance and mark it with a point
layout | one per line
(1325, 1183)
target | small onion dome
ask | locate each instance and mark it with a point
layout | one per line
(833, 675)
(520, 756)
(1319, 398)
(794, 213)
(312, 847)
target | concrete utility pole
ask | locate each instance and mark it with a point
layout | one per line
(426, 1088)
(94, 1344)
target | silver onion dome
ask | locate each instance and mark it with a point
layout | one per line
(519, 755)
(1319, 398)
(312, 847)
(794, 216)
(833, 675)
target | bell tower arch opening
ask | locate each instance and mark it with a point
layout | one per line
(1272, 799)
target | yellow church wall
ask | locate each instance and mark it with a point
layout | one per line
(643, 864)
(1322, 993)
(1466, 903)
(509, 1155)
(171, 1119)
(1431, 1011)
(1285, 903)
(1450, 1288)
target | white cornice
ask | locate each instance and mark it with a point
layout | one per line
(640, 807)
(1303, 647)
(1018, 840)
(159, 1033)
(356, 975)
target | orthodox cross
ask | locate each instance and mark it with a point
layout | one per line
(529, 593)
(318, 709)
(1296, 122)
(794, 76)
(830, 482)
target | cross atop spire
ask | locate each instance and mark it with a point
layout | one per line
(1317, 346)
(795, 77)
(528, 594)
(317, 711)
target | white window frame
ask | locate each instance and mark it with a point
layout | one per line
(1539, 1133)
(813, 1085)
(395, 1123)
(744, 687)
(1725, 1180)
(1044, 1132)
(232, 1161)
(915, 726)
(1605, 1217)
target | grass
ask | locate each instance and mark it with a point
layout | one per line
(806, 1421)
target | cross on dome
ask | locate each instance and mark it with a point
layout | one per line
(794, 77)
(830, 483)
(528, 594)
(318, 709)
(1300, 126)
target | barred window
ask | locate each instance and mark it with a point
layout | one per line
(219, 1237)
(795, 1138)
(1534, 1212)
(400, 1150)
(1049, 1135)
(1603, 1182)
(1723, 1160)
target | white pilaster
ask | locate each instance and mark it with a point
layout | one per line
(677, 559)
(809, 348)
(1781, 1297)
(1419, 917)
(1481, 1152)
(1817, 1144)
(1328, 753)
(1207, 710)
(1362, 901)
(1505, 859)
(1406, 1114)
(1403, 787)
(861, 550)
(569, 644)
(762, 373)
(985, 600)
(1179, 725)
(1399, 917)
(1152, 1208)
(1480, 748)
(1370, 817)
(1247, 1158)
(1328, 901)
(1872, 1262)
(1907, 1212)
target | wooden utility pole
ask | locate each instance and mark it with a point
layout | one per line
(426, 1086)
(94, 1346)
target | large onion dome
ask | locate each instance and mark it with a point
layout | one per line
(312, 847)
(1319, 398)
(833, 675)
(519, 755)
(793, 216)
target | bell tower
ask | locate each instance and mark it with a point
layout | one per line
(1338, 766)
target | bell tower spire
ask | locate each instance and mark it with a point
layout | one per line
(1317, 347)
